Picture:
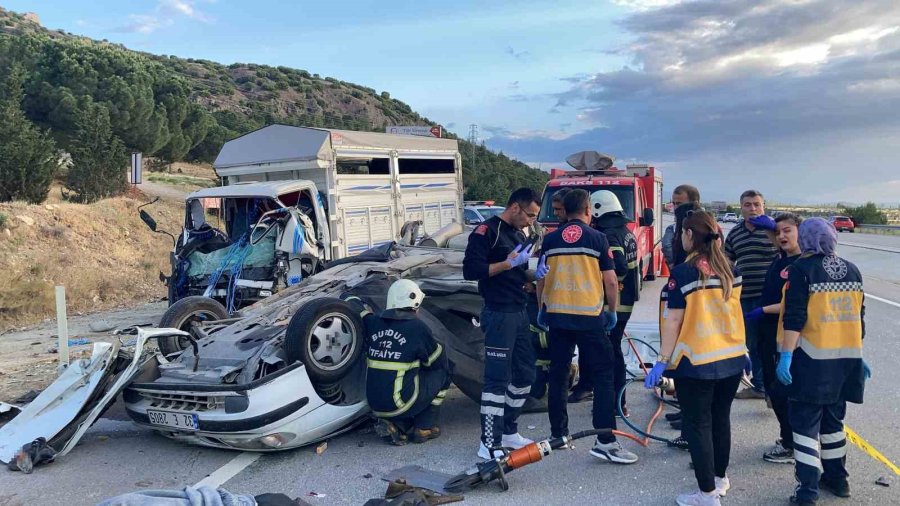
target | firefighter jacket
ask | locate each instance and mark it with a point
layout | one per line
(824, 302)
(711, 343)
(573, 293)
(398, 346)
(624, 248)
(490, 243)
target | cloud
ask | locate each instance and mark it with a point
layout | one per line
(750, 83)
(164, 14)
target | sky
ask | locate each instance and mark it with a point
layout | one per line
(799, 99)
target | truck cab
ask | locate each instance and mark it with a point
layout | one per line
(639, 189)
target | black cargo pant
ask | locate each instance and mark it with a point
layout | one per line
(508, 372)
(424, 413)
(615, 338)
(706, 425)
(768, 349)
(815, 425)
(595, 347)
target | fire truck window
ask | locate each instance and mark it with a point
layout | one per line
(624, 193)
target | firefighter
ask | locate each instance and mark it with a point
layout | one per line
(497, 257)
(407, 370)
(823, 369)
(556, 201)
(540, 344)
(702, 346)
(609, 218)
(576, 274)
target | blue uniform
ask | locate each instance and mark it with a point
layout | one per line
(573, 297)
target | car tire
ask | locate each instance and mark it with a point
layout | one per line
(328, 357)
(182, 314)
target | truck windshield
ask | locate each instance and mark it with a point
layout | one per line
(625, 194)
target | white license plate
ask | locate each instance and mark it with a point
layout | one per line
(174, 420)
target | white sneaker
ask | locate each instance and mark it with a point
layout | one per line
(514, 441)
(484, 454)
(698, 498)
(722, 486)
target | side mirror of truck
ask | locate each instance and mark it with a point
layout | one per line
(647, 218)
(146, 218)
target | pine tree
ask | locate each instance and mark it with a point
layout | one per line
(28, 156)
(99, 160)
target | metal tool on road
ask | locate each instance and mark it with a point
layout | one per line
(496, 469)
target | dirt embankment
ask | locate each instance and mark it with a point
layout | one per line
(102, 253)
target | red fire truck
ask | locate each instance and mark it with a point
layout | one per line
(639, 188)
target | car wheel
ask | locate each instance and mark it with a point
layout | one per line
(327, 335)
(182, 315)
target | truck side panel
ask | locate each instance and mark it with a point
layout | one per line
(433, 198)
(365, 213)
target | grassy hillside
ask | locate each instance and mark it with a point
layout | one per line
(184, 109)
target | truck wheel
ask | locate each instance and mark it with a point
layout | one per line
(182, 314)
(327, 335)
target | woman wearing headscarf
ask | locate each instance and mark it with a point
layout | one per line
(820, 358)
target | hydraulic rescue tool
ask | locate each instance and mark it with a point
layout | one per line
(496, 469)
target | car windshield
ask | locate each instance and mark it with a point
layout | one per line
(490, 212)
(840, 218)
(624, 193)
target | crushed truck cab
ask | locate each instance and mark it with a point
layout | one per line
(296, 198)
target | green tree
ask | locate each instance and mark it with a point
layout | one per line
(28, 156)
(98, 159)
(868, 214)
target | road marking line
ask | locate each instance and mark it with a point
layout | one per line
(879, 299)
(865, 246)
(221, 475)
(864, 445)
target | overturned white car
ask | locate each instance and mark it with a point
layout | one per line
(288, 370)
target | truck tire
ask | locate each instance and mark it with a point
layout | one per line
(327, 335)
(182, 314)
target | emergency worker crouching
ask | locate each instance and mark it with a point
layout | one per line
(702, 346)
(820, 359)
(408, 373)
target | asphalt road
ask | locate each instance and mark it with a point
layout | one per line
(116, 457)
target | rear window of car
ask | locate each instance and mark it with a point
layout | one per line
(841, 218)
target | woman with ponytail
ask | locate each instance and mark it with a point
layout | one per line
(703, 348)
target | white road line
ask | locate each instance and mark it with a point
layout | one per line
(229, 470)
(879, 299)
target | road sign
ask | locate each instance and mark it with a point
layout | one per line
(422, 131)
(134, 177)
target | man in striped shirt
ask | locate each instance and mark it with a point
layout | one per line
(752, 250)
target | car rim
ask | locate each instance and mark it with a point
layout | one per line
(331, 341)
(185, 325)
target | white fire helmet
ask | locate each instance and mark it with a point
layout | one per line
(404, 293)
(604, 201)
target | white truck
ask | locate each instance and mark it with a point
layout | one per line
(295, 198)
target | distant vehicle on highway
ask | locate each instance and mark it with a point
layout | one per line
(728, 218)
(479, 212)
(842, 224)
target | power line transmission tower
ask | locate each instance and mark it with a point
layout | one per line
(473, 140)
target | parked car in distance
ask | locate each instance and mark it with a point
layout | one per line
(842, 224)
(729, 218)
(479, 212)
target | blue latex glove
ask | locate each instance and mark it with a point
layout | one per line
(764, 222)
(748, 365)
(655, 375)
(519, 256)
(754, 315)
(783, 370)
(867, 372)
(542, 320)
(611, 319)
(542, 268)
